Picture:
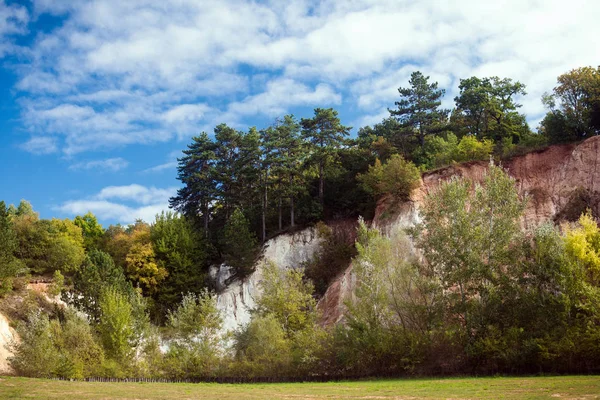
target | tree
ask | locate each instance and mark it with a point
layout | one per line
(196, 327)
(486, 108)
(196, 172)
(418, 110)
(469, 240)
(574, 106)
(92, 231)
(9, 265)
(240, 244)
(287, 297)
(142, 268)
(397, 177)
(97, 273)
(182, 252)
(116, 325)
(324, 133)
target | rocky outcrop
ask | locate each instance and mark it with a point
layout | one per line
(237, 298)
(7, 336)
(560, 182)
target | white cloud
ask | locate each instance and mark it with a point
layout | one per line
(124, 204)
(117, 73)
(110, 164)
(171, 163)
(41, 145)
(13, 21)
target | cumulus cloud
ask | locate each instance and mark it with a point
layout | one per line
(117, 73)
(41, 145)
(110, 164)
(124, 204)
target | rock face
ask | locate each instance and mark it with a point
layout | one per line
(560, 183)
(236, 299)
(7, 335)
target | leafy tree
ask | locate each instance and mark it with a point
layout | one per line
(324, 134)
(141, 267)
(240, 244)
(469, 240)
(574, 106)
(582, 243)
(287, 297)
(486, 108)
(397, 177)
(262, 348)
(116, 325)
(418, 110)
(9, 265)
(196, 326)
(51, 348)
(92, 231)
(393, 309)
(182, 253)
(97, 273)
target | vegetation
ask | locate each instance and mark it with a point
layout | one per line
(482, 297)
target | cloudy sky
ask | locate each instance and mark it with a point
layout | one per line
(99, 97)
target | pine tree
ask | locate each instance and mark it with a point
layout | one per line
(418, 110)
(325, 135)
(240, 244)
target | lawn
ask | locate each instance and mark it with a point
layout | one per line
(563, 387)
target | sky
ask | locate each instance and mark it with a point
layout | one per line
(99, 97)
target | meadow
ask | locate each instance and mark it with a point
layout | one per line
(563, 387)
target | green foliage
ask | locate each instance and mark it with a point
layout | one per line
(397, 177)
(51, 348)
(48, 245)
(9, 265)
(92, 231)
(334, 255)
(418, 110)
(262, 349)
(116, 325)
(486, 108)
(181, 251)
(240, 244)
(97, 273)
(574, 106)
(287, 297)
(58, 284)
(198, 342)
(468, 240)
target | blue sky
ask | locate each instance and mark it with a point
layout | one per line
(99, 97)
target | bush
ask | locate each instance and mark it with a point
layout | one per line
(397, 177)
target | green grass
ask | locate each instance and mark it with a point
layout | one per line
(563, 387)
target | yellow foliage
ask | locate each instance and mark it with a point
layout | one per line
(582, 242)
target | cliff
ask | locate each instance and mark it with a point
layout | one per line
(236, 299)
(560, 183)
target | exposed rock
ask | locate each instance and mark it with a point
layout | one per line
(236, 299)
(560, 182)
(7, 335)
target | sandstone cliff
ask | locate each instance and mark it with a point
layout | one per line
(236, 299)
(560, 183)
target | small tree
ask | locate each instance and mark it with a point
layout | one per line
(397, 177)
(240, 246)
(116, 325)
(196, 325)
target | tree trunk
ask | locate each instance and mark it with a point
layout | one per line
(264, 212)
(280, 216)
(292, 211)
(206, 218)
(321, 184)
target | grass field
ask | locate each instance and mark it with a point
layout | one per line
(564, 387)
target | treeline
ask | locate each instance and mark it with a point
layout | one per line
(300, 171)
(486, 298)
